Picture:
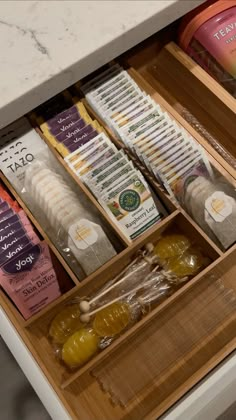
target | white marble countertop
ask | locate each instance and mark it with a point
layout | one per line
(45, 46)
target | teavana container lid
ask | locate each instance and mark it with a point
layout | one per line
(193, 20)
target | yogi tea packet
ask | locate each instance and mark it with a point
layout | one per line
(29, 280)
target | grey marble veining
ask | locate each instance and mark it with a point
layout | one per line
(45, 46)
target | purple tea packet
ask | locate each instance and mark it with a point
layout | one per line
(6, 214)
(80, 136)
(13, 229)
(4, 206)
(71, 132)
(17, 217)
(76, 143)
(63, 121)
(17, 247)
(12, 239)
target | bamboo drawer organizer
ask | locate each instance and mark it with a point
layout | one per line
(173, 80)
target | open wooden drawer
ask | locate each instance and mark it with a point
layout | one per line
(174, 81)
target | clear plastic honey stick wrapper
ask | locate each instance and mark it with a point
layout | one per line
(142, 361)
(193, 121)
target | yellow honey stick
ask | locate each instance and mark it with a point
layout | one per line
(85, 317)
(85, 305)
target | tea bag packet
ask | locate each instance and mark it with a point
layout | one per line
(103, 167)
(150, 134)
(86, 154)
(153, 149)
(64, 212)
(30, 280)
(20, 218)
(10, 248)
(137, 110)
(71, 132)
(14, 229)
(6, 214)
(133, 129)
(96, 160)
(172, 155)
(102, 89)
(130, 112)
(131, 206)
(107, 94)
(15, 233)
(74, 156)
(17, 240)
(160, 164)
(16, 151)
(107, 86)
(4, 206)
(112, 92)
(14, 236)
(89, 244)
(83, 137)
(123, 95)
(131, 96)
(107, 171)
(112, 179)
(213, 209)
(140, 134)
(119, 110)
(65, 119)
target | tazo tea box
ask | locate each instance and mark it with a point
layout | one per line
(30, 280)
(132, 206)
(18, 152)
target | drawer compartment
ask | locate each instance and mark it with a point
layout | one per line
(39, 329)
(188, 360)
(190, 91)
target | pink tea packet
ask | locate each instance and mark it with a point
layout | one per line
(30, 279)
(13, 247)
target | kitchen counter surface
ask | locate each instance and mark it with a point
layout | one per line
(45, 46)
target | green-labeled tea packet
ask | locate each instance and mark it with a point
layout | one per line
(132, 206)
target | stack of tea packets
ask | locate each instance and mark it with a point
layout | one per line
(120, 188)
(165, 148)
